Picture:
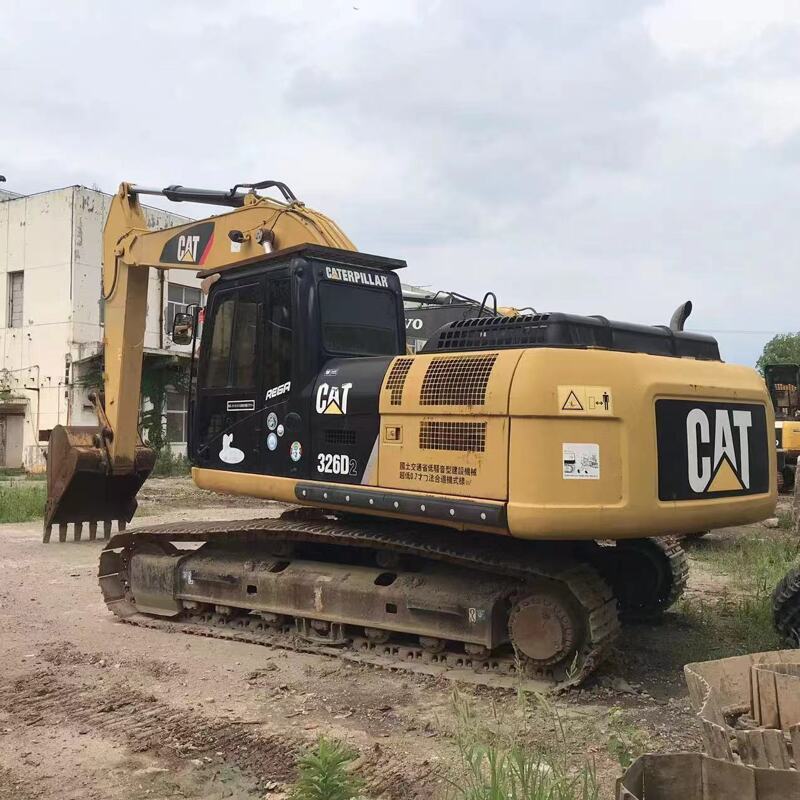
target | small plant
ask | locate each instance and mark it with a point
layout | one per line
(494, 764)
(625, 741)
(169, 464)
(324, 773)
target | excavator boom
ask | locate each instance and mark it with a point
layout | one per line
(94, 473)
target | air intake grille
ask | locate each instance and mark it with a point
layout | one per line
(457, 381)
(483, 332)
(466, 436)
(340, 437)
(397, 380)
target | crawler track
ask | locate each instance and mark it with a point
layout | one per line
(648, 576)
(497, 557)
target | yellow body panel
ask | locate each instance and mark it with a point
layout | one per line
(623, 502)
(791, 436)
(540, 405)
(415, 431)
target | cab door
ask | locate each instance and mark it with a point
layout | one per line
(227, 418)
(282, 419)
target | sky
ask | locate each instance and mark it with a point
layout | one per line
(614, 158)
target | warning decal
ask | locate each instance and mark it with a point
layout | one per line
(572, 403)
(581, 461)
(586, 400)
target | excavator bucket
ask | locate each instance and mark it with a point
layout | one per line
(81, 488)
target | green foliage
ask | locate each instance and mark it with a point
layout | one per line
(784, 348)
(497, 766)
(20, 502)
(755, 563)
(170, 465)
(730, 626)
(159, 375)
(324, 773)
(625, 741)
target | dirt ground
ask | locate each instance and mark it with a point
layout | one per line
(93, 708)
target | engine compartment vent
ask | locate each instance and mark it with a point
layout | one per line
(457, 380)
(468, 437)
(397, 380)
(571, 331)
(340, 437)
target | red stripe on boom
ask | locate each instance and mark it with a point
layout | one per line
(206, 250)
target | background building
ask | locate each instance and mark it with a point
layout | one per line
(51, 319)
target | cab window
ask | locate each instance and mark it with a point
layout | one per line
(357, 320)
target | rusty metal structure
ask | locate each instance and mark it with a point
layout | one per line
(749, 710)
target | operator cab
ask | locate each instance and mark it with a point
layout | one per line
(293, 350)
(782, 381)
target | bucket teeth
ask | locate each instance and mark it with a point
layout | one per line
(77, 530)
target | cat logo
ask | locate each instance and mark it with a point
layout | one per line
(709, 450)
(722, 471)
(187, 248)
(333, 399)
(190, 246)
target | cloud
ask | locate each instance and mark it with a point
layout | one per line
(612, 158)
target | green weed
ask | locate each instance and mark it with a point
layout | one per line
(20, 502)
(495, 764)
(324, 774)
(170, 465)
(755, 564)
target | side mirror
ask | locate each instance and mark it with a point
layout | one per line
(183, 328)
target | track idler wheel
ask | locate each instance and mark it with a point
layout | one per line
(545, 628)
(786, 607)
(647, 575)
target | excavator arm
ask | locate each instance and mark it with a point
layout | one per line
(94, 473)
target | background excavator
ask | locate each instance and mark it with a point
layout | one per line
(494, 501)
(782, 382)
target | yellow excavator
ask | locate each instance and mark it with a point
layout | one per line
(495, 501)
(782, 382)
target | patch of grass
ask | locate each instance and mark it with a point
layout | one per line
(20, 502)
(741, 621)
(171, 465)
(755, 564)
(731, 626)
(496, 764)
(324, 773)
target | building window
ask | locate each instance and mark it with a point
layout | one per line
(16, 287)
(178, 298)
(177, 416)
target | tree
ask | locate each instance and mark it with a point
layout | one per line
(784, 348)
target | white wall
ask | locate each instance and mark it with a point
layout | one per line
(56, 238)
